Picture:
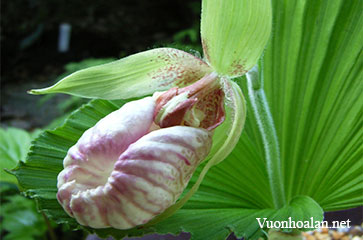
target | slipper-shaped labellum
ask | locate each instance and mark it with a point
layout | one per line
(126, 169)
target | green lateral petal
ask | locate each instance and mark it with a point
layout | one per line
(234, 33)
(227, 135)
(133, 76)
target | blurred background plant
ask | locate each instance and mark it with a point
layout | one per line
(19, 218)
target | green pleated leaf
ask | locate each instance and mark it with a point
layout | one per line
(312, 78)
(133, 76)
(219, 202)
(234, 33)
(313, 81)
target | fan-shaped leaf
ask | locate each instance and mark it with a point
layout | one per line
(313, 75)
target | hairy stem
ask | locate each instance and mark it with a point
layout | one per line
(267, 129)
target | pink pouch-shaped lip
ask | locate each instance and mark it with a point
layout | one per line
(119, 174)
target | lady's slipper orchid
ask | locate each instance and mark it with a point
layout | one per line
(126, 169)
(134, 164)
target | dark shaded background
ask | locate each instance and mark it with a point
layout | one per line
(112, 28)
(99, 29)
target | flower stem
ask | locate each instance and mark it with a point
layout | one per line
(268, 132)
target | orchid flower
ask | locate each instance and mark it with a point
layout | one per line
(133, 165)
